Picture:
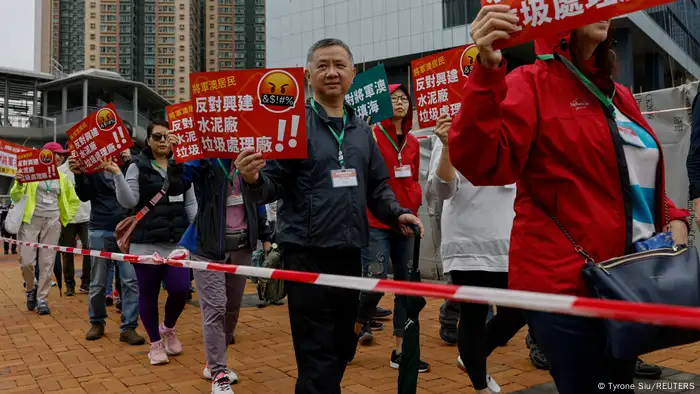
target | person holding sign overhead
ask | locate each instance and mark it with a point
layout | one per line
(401, 152)
(585, 161)
(322, 219)
(50, 205)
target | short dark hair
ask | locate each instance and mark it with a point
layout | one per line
(325, 43)
(149, 129)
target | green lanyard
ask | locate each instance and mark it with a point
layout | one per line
(393, 143)
(48, 185)
(226, 174)
(605, 100)
(338, 138)
(157, 166)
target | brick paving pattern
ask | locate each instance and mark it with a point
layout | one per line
(49, 354)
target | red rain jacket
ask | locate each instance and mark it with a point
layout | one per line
(407, 190)
(540, 126)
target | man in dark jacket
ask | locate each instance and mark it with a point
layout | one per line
(105, 214)
(322, 219)
(226, 230)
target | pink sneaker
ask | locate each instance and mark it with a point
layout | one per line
(173, 347)
(157, 354)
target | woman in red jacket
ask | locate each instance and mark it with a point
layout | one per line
(401, 153)
(590, 160)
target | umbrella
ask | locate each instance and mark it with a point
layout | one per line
(58, 272)
(410, 350)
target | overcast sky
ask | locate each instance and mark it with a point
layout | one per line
(17, 34)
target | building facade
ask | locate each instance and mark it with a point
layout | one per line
(158, 42)
(656, 49)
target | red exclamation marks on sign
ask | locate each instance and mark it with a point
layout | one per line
(119, 137)
(295, 130)
(281, 125)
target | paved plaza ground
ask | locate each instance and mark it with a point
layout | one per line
(49, 354)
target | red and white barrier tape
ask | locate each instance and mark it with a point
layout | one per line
(668, 315)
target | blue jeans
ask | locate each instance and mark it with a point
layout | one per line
(385, 245)
(106, 241)
(576, 349)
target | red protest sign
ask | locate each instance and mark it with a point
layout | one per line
(542, 18)
(102, 134)
(438, 81)
(36, 165)
(8, 157)
(181, 119)
(261, 108)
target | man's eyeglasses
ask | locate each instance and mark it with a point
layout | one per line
(397, 99)
(158, 137)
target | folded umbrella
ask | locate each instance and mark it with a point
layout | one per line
(410, 350)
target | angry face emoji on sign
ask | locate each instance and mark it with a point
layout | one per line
(278, 91)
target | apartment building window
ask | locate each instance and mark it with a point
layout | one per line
(166, 29)
(182, 90)
(182, 58)
(211, 25)
(259, 19)
(166, 61)
(182, 38)
(167, 71)
(211, 34)
(240, 46)
(150, 29)
(182, 6)
(92, 57)
(229, 28)
(182, 69)
(259, 46)
(149, 9)
(150, 81)
(226, 37)
(240, 2)
(240, 64)
(259, 37)
(108, 7)
(225, 19)
(182, 48)
(260, 55)
(182, 17)
(166, 8)
(93, 26)
(259, 64)
(125, 7)
(459, 12)
(240, 19)
(260, 10)
(260, 2)
(125, 50)
(240, 37)
(166, 19)
(225, 64)
(93, 4)
(93, 15)
(124, 60)
(92, 47)
(92, 36)
(182, 79)
(240, 11)
(226, 2)
(166, 51)
(226, 54)
(166, 40)
(260, 28)
(225, 10)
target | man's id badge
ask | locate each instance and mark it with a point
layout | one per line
(344, 178)
(178, 198)
(234, 199)
(403, 171)
(48, 200)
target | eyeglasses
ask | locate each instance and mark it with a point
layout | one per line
(396, 99)
(158, 137)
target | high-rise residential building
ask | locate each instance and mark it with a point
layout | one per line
(233, 34)
(158, 42)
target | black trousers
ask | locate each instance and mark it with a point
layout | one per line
(476, 339)
(68, 239)
(322, 318)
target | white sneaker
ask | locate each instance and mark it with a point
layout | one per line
(492, 385)
(221, 385)
(157, 355)
(232, 376)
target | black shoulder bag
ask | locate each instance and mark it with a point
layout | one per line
(662, 276)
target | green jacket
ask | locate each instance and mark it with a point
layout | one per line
(68, 201)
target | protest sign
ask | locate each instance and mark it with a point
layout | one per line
(181, 120)
(542, 18)
(8, 157)
(36, 165)
(102, 134)
(369, 95)
(438, 82)
(236, 110)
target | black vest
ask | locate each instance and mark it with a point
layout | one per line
(167, 221)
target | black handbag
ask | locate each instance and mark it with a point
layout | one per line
(662, 276)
